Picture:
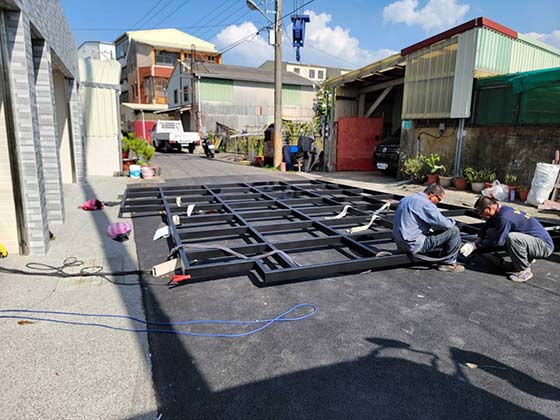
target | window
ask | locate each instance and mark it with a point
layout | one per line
(296, 70)
(160, 86)
(122, 49)
(211, 58)
(311, 74)
(175, 96)
(320, 74)
(186, 94)
(164, 58)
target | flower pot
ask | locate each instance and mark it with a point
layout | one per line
(523, 195)
(134, 171)
(147, 172)
(124, 154)
(259, 161)
(477, 187)
(461, 184)
(445, 181)
(432, 179)
(126, 164)
(488, 184)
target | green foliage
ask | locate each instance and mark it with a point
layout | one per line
(432, 164)
(473, 175)
(510, 179)
(140, 147)
(489, 175)
(415, 167)
(522, 188)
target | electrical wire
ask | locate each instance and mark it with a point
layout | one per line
(209, 14)
(46, 270)
(266, 322)
(137, 24)
(171, 14)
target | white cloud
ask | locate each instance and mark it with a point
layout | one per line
(552, 38)
(252, 52)
(325, 44)
(333, 45)
(435, 15)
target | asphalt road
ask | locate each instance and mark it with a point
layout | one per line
(409, 343)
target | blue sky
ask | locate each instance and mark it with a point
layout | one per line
(342, 33)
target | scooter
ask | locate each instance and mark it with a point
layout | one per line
(208, 148)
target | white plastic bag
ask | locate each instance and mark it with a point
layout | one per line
(543, 183)
(499, 191)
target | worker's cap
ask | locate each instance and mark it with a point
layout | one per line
(119, 231)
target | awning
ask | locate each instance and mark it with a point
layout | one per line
(144, 107)
(174, 109)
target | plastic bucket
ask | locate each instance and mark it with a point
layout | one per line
(134, 171)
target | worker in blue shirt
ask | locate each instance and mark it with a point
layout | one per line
(419, 227)
(523, 235)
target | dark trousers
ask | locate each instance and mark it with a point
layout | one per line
(448, 240)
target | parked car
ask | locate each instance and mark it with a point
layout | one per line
(386, 154)
(168, 135)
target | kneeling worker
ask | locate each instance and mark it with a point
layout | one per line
(523, 235)
(419, 227)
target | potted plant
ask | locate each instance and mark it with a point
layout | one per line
(144, 153)
(523, 192)
(444, 180)
(488, 176)
(510, 181)
(433, 167)
(475, 178)
(460, 182)
(415, 168)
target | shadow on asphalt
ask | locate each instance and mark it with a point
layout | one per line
(394, 380)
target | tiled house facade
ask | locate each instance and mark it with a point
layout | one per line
(41, 140)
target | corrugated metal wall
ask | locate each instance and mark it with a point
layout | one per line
(216, 90)
(500, 54)
(464, 73)
(428, 87)
(291, 95)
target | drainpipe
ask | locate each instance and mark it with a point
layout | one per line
(330, 164)
(143, 125)
(460, 135)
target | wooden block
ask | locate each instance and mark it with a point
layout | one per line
(166, 267)
(176, 220)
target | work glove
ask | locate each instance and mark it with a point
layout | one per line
(467, 249)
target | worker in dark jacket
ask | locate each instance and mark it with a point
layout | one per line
(523, 235)
(419, 227)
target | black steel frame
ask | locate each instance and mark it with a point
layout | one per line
(251, 212)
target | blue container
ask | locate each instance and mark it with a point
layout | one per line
(294, 149)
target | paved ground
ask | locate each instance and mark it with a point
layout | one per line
(389, 344)
(53, 371)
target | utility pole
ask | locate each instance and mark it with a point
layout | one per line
(277, 141)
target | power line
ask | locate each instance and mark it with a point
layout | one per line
(159, 11)
(212, 11)
(145, 15)
(172, 13)
(227, 17)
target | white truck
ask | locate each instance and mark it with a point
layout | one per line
(168, 135)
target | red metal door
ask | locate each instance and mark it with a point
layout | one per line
(357, 138)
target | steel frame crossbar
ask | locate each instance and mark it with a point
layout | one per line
(271, 228)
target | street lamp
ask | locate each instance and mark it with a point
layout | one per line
(277, 22)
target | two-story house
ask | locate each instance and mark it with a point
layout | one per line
(315, 73)
(147, 59)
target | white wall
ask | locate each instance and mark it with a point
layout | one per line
(63, 128)
(8, 221)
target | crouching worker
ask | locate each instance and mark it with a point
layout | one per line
(419, 227)
(523, 235)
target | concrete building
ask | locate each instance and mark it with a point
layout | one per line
(41, 140)
(148, 57)
(235, 96)
(315, 73)
(97, 50)
(427, 90)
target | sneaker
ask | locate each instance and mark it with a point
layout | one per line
(521, 276)
(451, 268)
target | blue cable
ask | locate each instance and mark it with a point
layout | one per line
(267, 322)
